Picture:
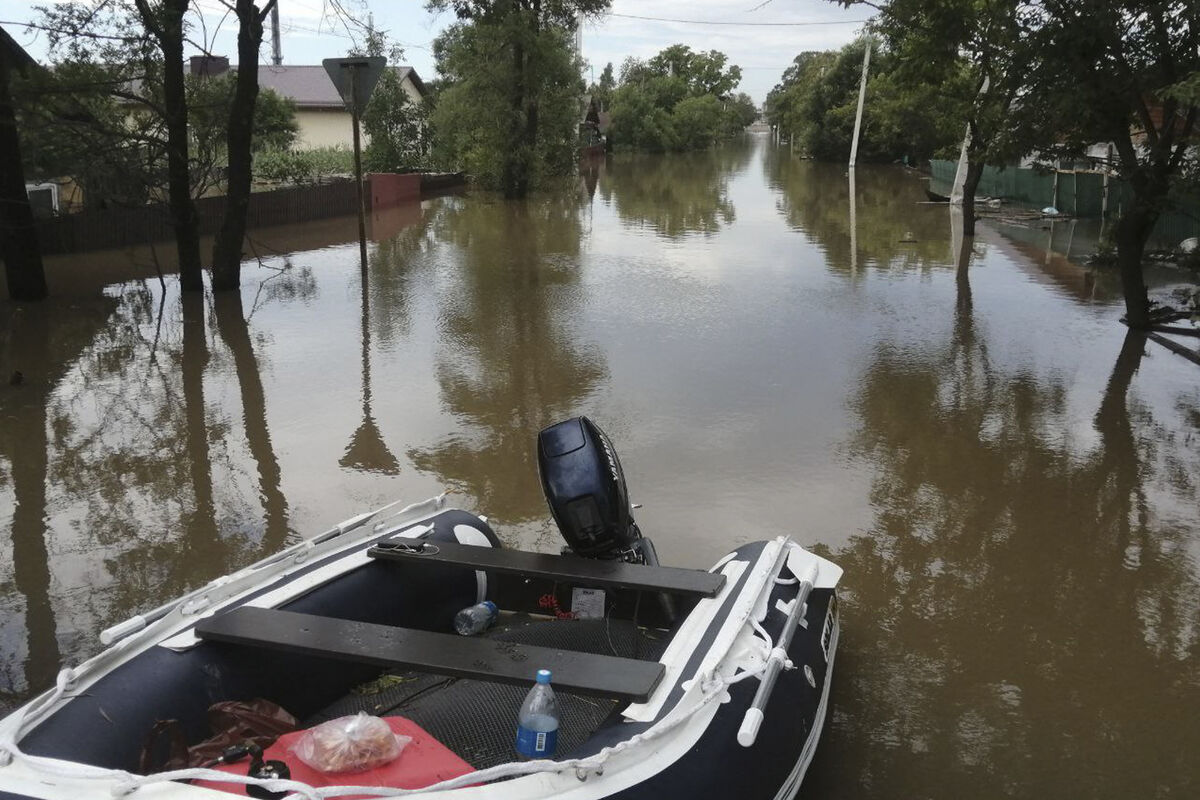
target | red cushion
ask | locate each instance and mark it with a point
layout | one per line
(423, 761)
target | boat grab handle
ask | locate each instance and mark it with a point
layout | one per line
(752, 721)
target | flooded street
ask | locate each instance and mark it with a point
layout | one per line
(1009, 481)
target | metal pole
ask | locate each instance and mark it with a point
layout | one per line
(276, 44)
(358, 180)
(862, 96)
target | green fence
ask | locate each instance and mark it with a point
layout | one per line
(1078, 194)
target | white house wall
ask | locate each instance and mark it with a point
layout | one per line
(330, 127)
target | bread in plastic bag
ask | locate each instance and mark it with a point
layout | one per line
(349, 744)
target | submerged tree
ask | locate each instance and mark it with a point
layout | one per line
(18, 239)
(974, 54)
(134, 50)
(227, 250)
(1121, 72)
(511, 104)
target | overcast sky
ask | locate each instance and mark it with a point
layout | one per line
(313, 31)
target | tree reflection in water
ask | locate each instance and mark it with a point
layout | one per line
(38, 342)
(128, 485)
(892, 232)
(987, 643)
(509, 362)
(687, 193)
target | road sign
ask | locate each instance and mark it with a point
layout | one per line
(347, 72)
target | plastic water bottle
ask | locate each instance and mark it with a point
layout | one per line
(476, 619)
(537, 724)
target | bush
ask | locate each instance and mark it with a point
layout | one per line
(303, 166)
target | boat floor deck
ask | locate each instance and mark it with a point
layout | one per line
(477, 719)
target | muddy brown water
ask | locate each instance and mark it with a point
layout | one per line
(1008, 480)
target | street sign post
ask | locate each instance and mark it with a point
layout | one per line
(355, 79)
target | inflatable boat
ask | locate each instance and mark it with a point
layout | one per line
(670, 682)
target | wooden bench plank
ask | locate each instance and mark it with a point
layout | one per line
(567, 569)
(441, 653)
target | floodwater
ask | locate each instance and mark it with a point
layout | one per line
(1009, 481)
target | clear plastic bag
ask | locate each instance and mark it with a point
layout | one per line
(349, 744)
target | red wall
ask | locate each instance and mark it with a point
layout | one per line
(389, 189)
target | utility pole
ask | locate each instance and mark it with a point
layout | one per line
(862, 96)
(276, 45)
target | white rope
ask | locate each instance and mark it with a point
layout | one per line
(711, 687)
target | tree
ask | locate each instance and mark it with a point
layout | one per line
(475, 125)
(18, 239)
(526, 42)
(742, 112)
(603, 90)
(395, 124)
(227, 249)
(974, 49)
(677, 100)
(138, 49)
(1122, 72)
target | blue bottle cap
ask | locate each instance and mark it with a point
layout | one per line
(491, 606)
(543, 676)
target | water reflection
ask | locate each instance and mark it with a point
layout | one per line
(235, 333)
(1019, 617)
(1014, 510)
(38, 346)
(510, 360)
(678, 196)
(888, 227)
(367, 451)
(112, 430)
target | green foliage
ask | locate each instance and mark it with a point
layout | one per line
(210, 100)
(475, 125)
(602, 91)
(303, 166)
(816, 101)
(678, 100)
(509, 112)
(98, 115)
(395, 124)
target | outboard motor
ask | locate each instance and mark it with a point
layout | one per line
(585, 488)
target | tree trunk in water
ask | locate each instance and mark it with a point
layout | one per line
(974, 174)
(1133, 229)
(18, 237)
(179, 183)
(227, 251)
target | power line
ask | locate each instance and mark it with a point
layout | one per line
(749, 24)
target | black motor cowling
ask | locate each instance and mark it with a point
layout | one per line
(585, 487)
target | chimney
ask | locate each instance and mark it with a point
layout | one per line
(208, 66)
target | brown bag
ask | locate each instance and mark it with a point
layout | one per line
(232, 722)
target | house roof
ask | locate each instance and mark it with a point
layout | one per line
(310, 86)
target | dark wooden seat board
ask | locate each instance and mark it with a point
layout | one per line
(443, 653)
(568, 569)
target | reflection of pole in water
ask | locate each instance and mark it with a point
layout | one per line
(853, 224)
(367, 451)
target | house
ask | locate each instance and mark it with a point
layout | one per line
(320, 113)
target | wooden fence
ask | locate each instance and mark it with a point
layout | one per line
(121, 227)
